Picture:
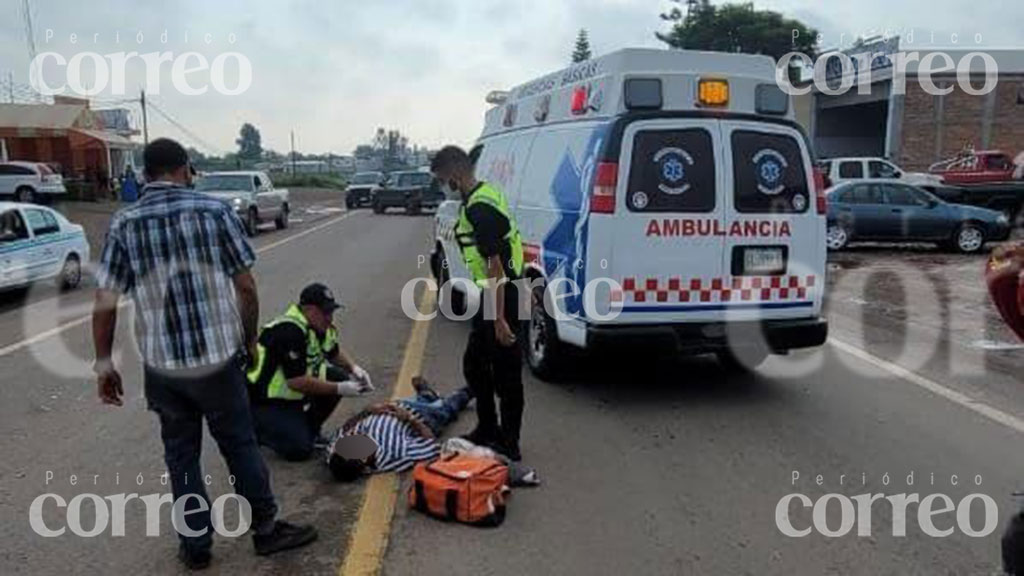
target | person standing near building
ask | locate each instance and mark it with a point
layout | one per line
(184, 260)
(492, 250)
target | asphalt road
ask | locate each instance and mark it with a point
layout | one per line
(650, 465)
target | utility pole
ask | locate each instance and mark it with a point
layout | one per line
(145, 120)
(30, 35)
(293, 153)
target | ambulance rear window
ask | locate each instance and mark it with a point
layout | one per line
(768, 173)
(672, 171)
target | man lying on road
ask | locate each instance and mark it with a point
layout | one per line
(299, 375)
(394, 436)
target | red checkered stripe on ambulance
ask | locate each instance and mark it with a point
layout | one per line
(738, 289)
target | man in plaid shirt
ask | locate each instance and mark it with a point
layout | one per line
(184, 261)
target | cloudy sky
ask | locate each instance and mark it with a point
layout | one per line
(334, 70)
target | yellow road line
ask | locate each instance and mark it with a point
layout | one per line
(369, 539)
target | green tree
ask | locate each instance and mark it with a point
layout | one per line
(582, 51)
(250, 144)
(736, 28)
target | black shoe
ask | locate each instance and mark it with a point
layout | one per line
(512, 451)
(197, 560)
(507, 449)
(321, 442)
(284, 536)
(422, 388)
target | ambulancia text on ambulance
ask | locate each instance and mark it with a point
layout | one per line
(660, 195)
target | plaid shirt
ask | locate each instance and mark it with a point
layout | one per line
(175, 253)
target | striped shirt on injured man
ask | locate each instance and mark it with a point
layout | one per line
(399, 446)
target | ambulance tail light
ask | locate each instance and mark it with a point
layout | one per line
(819, 191)
(606, 180)
(580, 100)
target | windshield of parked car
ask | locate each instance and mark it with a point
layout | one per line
(225, 183)
(366, 178)
(411, 178)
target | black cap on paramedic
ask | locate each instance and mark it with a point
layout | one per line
(318, 295)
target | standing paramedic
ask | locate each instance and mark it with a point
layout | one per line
(300, 374)
(492, 250)
(184, 260)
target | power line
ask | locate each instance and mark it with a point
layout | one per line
(184, 130)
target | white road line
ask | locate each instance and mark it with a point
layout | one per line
(61, 328)
(993, 414)
(316, 228)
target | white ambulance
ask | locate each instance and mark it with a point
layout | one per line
(664, 195)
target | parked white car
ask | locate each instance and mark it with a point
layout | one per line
(842, 169)
(29, 182)
(38, 244)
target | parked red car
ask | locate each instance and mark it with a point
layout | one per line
(1005, 276)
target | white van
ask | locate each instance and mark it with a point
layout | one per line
(676, 188)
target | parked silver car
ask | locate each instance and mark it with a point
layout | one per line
(30, 182)
(251, 194)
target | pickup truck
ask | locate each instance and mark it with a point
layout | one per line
(971, 167)
(251, 194)
(412, 190)
(359, 191)
(987, 178)
(1005, 197)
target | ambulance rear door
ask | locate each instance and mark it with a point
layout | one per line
(774, 252)
(663, 244)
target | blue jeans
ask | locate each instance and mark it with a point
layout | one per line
(437, 412)
(182, 399)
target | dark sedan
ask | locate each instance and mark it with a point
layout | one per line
(887, 211)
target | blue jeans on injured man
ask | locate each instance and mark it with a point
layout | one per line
(435, 411)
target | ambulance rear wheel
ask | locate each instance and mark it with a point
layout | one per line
(742, 360)
(545, 353)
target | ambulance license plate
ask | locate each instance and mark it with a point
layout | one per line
(764, 261)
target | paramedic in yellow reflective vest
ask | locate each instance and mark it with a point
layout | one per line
(490, 244)
(299, 375)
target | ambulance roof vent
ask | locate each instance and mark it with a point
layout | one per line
(497, 97)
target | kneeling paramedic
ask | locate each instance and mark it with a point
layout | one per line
(492, 250)
(299, 375)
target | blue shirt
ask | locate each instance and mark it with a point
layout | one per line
(175, 253)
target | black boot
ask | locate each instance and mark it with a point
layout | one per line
(194, 559)
(284, 536)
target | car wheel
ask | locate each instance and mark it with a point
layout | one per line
(378, 208)
(458, 299)
(969, 238)
(70, 274)
(349, 203)
(836, 237)
(742, 360)
(545, 353)
(25, 195)
(252, 222)
(282, 221)
(412, 208)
